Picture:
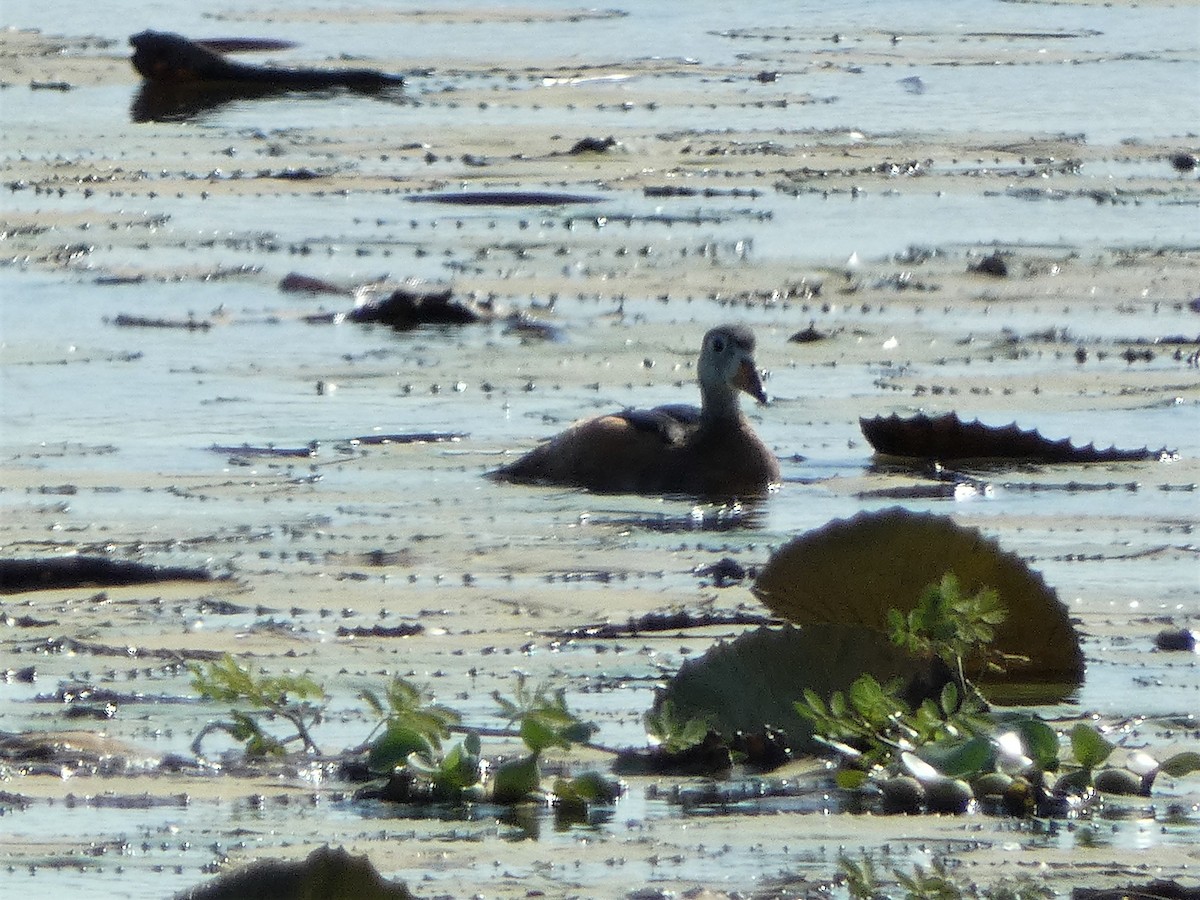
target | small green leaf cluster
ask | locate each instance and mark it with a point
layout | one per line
(409, 751)
(935, 882)
(871, 724)
(671, 731)
(544, 721)
(412, 723)
(947, 624)
(259, 699)
(953, 749)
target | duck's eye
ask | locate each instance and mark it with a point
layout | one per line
(718, 345)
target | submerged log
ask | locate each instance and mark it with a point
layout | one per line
(948, 437)
(167, 58)
(20, 575)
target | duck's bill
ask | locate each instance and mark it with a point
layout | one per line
(747, 380)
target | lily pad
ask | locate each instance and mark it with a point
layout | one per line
(852, 571)
(948, 437)
(755, 680)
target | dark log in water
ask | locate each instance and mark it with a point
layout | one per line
(19, 575)
(173, 59)
(948, 437)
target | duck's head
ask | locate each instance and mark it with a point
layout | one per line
(727, 363)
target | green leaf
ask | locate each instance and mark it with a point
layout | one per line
(1089, 746)
(394, 746)
(967, 759)
(1040, 741)
(949, 698)
(1181, 764)
(588, 787)
(516, 780)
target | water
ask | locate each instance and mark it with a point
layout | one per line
(107, 433)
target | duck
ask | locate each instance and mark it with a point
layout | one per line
(710, 451)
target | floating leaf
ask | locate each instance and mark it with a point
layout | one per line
(756, 679)
(393, 747)
(1181, 764)
(967, 758)
(948, 437)
(1089, 746)
(1040, 742)
(516, 780)
(851, 572)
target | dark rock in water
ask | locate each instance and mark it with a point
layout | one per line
(948, 437)
(326, 873)
(404, 309)
(992, 265)
(19, 575)
(1176, 639)
(173, 59)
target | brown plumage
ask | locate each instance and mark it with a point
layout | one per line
(709, 452)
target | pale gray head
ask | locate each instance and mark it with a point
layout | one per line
(727, 365)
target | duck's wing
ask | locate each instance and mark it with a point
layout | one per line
(619, 452)
(672, 422)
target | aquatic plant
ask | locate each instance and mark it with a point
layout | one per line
(863, 881)
(954, 749)
(544, 722)
(259, 699)
(673, 731)
(411, 721)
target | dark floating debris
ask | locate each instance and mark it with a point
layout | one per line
(164, 57)
(947, 437)
(380, 631)
(1183, 162)
(1176, 640)
(20, 575)
(126, 321)
(808, 335)
(991, 265)
(593, 145)
(185, 79)
(269, 450)
(295, 283)
(327, 873)
(404, 309)
(412, 437)
(658, 622)
(505, 198)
